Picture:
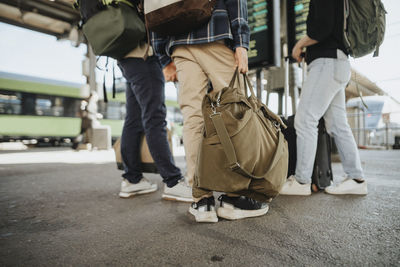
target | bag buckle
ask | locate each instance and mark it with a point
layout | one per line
(235, 166)
(214, 109)
(214, 114)
(276, 124)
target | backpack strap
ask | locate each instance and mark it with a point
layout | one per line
(345, 17)
(377, 12)
(113, 88)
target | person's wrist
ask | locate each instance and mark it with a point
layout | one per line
(168, 66)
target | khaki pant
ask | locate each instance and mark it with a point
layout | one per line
(196, 65)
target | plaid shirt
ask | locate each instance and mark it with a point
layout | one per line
(228, 21)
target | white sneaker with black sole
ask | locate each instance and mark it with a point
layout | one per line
(234, 208)
(180, 192)
(143, 187)
(204, 210)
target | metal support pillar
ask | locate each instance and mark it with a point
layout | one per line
(387, 135)
(364, 128)
(295, 97)
(276, 39)
(91, 80)
(259, 82)
(286, 88)
(280, 102)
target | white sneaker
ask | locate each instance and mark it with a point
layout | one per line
(204, 210)
(129, 190)
(234, 208)
(180, 192)
(348, 187)
(292, 187)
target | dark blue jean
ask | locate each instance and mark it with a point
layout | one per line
(146, 113)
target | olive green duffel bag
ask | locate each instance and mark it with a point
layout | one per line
(243, 150)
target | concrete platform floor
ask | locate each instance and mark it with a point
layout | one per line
(59, 207)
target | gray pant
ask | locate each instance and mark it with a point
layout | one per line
(323, 95)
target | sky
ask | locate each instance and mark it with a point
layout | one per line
(27, 52)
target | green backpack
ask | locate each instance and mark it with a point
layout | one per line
(112, 27)
(364, 26)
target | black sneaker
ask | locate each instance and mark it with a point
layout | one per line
(204, 210)
(233, 208)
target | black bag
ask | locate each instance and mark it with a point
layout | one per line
(322, 171)
(290, 136)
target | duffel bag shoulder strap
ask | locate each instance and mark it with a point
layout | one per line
(229, 149)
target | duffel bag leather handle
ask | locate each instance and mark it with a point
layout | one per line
(247, 83)
(236, 76)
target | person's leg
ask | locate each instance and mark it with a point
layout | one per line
(319, 90)
(193, 85)
(316, 96)
(132, 132)
(338, 127)
(217, 62)
(196, 66)
(147, 83)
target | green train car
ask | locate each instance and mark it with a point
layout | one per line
(46, 110)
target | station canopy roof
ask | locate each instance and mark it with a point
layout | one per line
(54, 17)
(359, 82)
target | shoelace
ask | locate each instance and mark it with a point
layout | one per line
(249, 200)
(252, 201)
(207, 203)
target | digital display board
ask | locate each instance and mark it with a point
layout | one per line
(260, 23)
(296, 21)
